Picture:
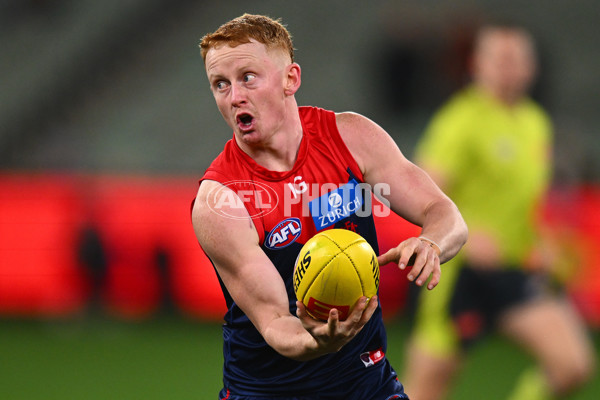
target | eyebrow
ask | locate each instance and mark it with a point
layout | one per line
(213, 77)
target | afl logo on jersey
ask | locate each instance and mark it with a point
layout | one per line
(285, 233)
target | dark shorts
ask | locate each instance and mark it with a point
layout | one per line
(480, 297)
(390, 391)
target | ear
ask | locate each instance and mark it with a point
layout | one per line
(292, 79)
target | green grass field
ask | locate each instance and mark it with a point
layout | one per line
(177, 359)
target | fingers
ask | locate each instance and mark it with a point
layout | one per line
(423, 258)
(426, 265)
(395, 254)
(334, 327)
(371, 306)
(308, 322)
(389, 256)
(333, 322)
(361, 313)
(332, 335)
(411, 253)
(300, 309)
(422, 267)
(435, 276)
(358, 310)
(403, 254)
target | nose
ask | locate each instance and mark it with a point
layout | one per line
(237, 95)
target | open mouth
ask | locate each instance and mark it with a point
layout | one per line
(245, 120)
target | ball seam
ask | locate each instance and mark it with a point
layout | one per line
(343, 250)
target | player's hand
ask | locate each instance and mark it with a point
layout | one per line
(421, 255)
(333, 334)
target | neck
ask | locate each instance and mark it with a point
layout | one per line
(280, 153)
(279, 150)
(503, 97)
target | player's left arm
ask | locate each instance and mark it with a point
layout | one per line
(412, 194)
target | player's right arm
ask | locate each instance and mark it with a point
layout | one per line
(230, 239)
(443, 152)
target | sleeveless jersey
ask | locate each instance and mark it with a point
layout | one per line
(322, 191)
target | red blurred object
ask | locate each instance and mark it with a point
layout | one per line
(571, 213)
(393, 285)
(142, 222)
(151, 259)
(146, 222)
(39, 272)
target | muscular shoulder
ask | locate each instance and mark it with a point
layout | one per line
(350, 123)
(370, 145)
(218, 217)
(363, 137)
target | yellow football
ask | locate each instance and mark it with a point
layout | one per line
(333, 270)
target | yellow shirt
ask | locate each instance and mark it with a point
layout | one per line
(497, 163)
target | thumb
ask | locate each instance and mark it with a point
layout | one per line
(300, 309)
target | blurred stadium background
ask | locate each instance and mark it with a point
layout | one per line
(106, 122)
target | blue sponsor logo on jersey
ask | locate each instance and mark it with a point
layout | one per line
(285, 233)
(336, 205)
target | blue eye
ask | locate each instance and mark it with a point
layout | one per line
(249, 77)
(221, 85)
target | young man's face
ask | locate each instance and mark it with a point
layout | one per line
(248, 84)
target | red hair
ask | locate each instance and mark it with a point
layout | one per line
(242, 29)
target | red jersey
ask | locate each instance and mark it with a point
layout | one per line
(323, 190)
(324, 162)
